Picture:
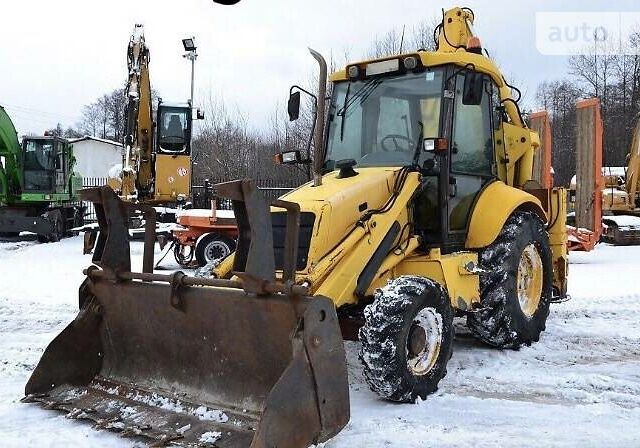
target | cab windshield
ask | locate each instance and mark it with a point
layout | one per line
(39, 162)
(173, 127)
(381, 121)
(39, 155)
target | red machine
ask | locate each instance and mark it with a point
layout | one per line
(587, 228)
(589, 182)
(206, 234)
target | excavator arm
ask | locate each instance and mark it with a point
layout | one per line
(137, 173)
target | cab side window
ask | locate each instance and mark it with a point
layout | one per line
(59, 156)
(472, 149)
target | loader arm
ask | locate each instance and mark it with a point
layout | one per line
(346, 272)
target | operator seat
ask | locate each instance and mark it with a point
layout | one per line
(174, 129)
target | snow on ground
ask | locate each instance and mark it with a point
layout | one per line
(580, 386)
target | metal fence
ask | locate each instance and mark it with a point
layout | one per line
(201, 195)
(89, 211)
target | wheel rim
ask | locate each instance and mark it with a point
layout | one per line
(216, 250)
(530, 273)
(424, 341)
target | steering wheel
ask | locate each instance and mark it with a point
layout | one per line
(395, 138)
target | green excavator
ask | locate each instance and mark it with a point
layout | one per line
(38, 186)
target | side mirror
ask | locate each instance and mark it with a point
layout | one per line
(199, 114)
(435, 145)
(473, 89)
(287, 158)
(293, 106)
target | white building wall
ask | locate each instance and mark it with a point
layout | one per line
(95, 157)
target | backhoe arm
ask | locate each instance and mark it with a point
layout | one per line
(455, 33)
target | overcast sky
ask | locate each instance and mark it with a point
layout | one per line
(60, 55)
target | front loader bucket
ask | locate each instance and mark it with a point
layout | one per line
(197, 362)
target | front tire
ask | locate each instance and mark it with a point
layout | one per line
(407, 339)
(56, 218)
(517, 289)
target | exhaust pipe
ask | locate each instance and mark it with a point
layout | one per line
(318, 143)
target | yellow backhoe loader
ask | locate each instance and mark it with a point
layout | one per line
(621, 198)
(618, 194)
(422, 208)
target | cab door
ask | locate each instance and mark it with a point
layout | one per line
(60, 166)
(472, 153)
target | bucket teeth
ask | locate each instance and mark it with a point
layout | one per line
(137, 419)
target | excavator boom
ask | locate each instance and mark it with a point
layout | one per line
(137, 172)
(10, 172)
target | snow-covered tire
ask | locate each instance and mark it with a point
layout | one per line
(57, 219)
(78, 220)
(506, 320)
(213, 246)
(394, 330)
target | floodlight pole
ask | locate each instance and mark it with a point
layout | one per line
(192, 56)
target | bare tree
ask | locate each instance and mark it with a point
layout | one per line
(559, 99)
(55, 132)
(90, 122)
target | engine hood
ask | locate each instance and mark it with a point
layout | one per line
(338, 204)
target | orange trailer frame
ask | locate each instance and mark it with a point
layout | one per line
(588, 230)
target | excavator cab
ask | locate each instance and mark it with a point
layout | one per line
(174, 129)
(45, 165)
(173, 151)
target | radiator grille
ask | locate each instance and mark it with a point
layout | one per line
(279, 224)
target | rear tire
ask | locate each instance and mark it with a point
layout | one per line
(517, 289)
(78, 218)
(213, 246)
(407, 339)
(56, 218)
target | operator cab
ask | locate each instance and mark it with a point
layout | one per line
(45, 164)
(174, 123)
(443, 121)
